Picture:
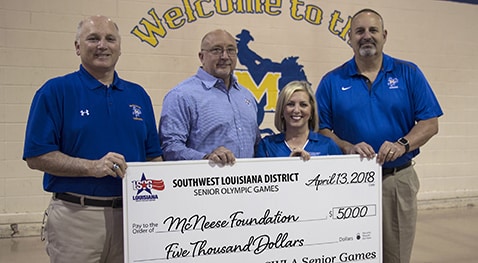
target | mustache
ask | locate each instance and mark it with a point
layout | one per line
(367, 41)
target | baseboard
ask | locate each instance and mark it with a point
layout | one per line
(471, 201)
(20, 224)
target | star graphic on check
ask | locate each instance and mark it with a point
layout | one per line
(144, 185)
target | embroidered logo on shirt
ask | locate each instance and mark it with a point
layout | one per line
(392, 83)
(136, 112)
(248, 102)
(85, 112)
(346, 88)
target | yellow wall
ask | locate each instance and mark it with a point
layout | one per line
(36, 43)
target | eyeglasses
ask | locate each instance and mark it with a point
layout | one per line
(218, 51)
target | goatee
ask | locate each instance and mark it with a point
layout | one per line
(367, 52)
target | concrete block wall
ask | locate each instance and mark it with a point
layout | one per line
(36, 43)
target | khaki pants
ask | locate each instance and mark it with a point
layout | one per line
(83, 234)
(399, 203)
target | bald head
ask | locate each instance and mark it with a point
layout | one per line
(218, 54)
(370, 11)
(95, 21)
(98, 44)
(208, 38)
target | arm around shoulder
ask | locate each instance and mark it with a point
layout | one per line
(344, 146)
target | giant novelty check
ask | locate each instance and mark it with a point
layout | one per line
(281, 210)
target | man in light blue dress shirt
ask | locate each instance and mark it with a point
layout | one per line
(210, 115)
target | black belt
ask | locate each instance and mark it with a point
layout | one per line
(386, 171)
(81, 200)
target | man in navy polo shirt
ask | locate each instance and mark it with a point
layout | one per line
(376, 105)
(82, 129)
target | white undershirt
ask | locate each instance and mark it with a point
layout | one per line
(305, 144)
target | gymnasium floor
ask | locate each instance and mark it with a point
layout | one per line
(443, 236)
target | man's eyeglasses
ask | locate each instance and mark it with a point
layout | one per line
(218, 51)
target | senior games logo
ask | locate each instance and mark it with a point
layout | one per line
(144, 189)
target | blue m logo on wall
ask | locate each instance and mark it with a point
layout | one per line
(264, 77)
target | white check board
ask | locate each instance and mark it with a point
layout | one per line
(286, 210)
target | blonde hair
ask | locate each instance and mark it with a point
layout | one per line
(285, 95)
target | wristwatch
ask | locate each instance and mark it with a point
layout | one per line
(404, 142)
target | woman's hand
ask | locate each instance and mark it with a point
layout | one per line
(303, 154)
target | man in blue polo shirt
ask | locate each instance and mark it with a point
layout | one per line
(376, 105)
(82, 129)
